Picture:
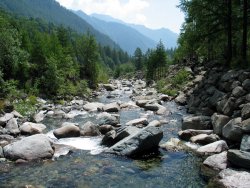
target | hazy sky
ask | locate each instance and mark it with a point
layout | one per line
(151, 13)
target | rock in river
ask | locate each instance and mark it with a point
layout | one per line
(29, 148)
(29, 128)
(67, 130)
(239, 158)
(215, 147)
(143, 141)
(198, 123)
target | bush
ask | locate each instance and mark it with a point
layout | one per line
(26, 107)
(180, 78)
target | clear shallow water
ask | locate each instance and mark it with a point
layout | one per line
(81, 169)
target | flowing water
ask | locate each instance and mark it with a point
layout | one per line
(83, 169)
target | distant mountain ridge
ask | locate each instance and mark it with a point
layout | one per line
(125, 36)
(168, 37)
(53, 12)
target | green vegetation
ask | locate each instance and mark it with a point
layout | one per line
(41, 59)
(26, 107)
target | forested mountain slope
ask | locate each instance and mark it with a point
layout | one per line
(51, 11)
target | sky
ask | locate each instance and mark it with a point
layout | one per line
(154, 14)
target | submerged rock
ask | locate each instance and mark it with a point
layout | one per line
(141, 142)
(30, 148)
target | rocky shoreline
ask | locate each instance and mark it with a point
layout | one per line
(218, 130)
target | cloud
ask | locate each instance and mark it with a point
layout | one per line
(126, 10)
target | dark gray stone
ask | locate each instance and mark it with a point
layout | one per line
(218, 122)
(107, 119)
(245, 112)
(197, 122)
(246, 126)
(1, 152)
(204, 139)
(246, 84)
(105, 128)
(89, 129)
(232, 130)
(238, 92)
(229, 107)
(12, 127)
(145, 140)
(239, 158)
(112, 107)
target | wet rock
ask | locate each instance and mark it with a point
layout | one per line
(239, 158)
(155, 123)
(246, 126)
(89, 129)
(107, 119)
(29, 128)
(229, 178)
(232, 130)
(141, 142)
(164, 97)
(215, 147)
(94, 106)
(77, 102)
(162, 110)
(105, 128)
(248, 97)
(174, 144)
(109, 87)
(245, 112)
(153, 106)
(4, 119)
(204, 139)
(142, 103)
(61, 150)
(246, 84)
(136, 122)
(12, 127)
(29, 148)
(181, 99)
(115, 136)
(67, 130)
(218, 122)
(39, 116)
(187, 134)
(197, 122)
(245, 143)
(112, 107)
(214, 164)
(58, 113)
(129, 105)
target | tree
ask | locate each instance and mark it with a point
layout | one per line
(138, 59)
(88, 56)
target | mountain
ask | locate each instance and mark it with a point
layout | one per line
(168, 37)
(125, 36)
(53, 12)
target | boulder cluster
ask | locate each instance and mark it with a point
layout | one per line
(220, 104)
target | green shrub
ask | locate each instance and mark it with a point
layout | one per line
(180, 78)
(25, 107)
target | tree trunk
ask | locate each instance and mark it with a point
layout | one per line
(244, 36)
(229, 31)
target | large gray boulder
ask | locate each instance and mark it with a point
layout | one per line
(107, 119)
(143, 141)
(67, 130)
(109, 87)
(197, 122)
(214, 164)
(246, 84)
(30, 148)
(233, 130)
(218, 122)
(230, 178)
(239, 158)
(112, 107)
(245, 143)
(89, 129)
(229, 107)
(238, 92)
(12, 127)
(29, 128)
(181, 99)
(187, 134)
(245, 112)
(213, 148)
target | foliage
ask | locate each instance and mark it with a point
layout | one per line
(180, 78)
(26, 107)
(126, 69)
